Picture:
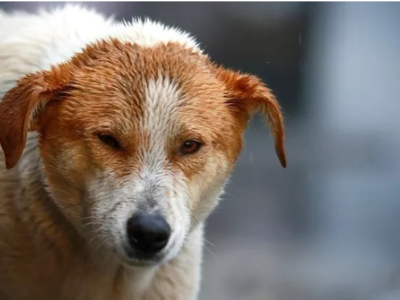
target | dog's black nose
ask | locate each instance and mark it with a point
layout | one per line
(148, 233)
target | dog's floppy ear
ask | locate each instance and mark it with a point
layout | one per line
(247, 94)
(21, 105)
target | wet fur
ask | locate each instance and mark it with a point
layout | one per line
(68, 74)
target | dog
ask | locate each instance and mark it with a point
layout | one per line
(117, 141)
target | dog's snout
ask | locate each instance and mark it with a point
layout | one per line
(148, 233)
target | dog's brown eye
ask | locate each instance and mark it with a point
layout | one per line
(189, 147)
(109, 141)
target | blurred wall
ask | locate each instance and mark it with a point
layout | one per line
(352, 87)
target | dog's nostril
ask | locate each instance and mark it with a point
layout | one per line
(148, 233)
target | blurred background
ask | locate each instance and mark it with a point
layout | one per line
(327, 227)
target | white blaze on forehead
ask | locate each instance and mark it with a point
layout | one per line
(162, 98)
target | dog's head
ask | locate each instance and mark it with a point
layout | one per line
(136, 142)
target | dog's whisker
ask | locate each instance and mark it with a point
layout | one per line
(229, 195)
(195, 220)
(212, 253)
(208, 242)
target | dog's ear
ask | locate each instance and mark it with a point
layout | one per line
(21, 105)
(247, 94)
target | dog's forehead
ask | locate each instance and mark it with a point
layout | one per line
(108, 58)
(151, 84)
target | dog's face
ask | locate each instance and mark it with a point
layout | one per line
(136, 143)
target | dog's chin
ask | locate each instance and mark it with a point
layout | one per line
(140, 263)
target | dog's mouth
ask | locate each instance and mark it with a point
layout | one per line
(141, 259)
(142, 263)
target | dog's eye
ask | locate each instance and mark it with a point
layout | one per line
(109, 141)
(190, 147)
